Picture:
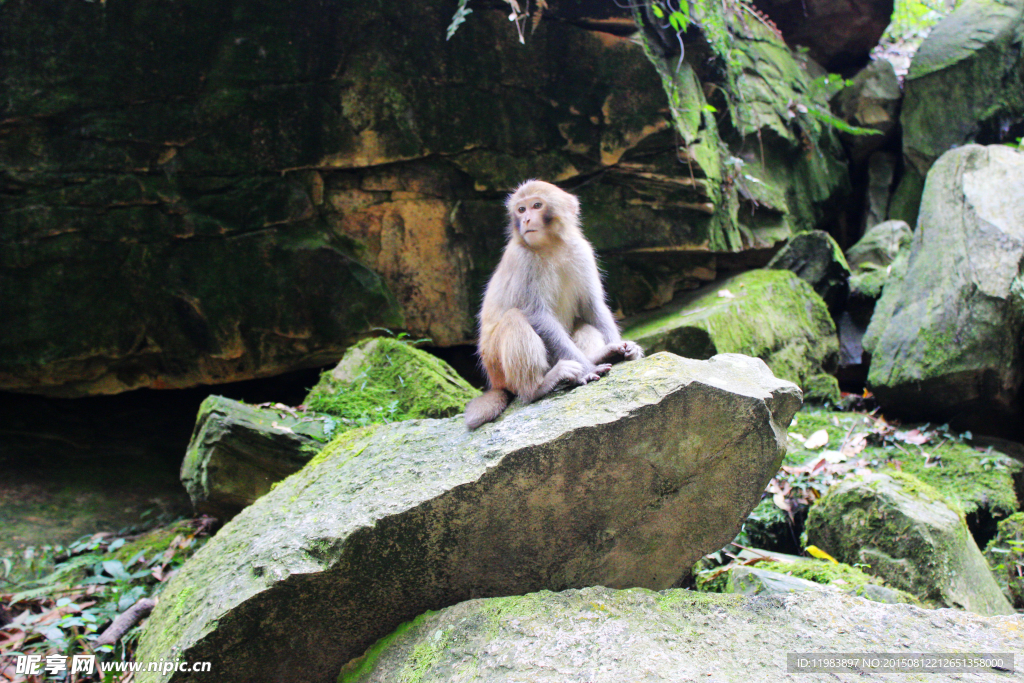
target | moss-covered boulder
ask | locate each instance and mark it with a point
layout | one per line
(771, 314)
(238, 451)
(909, 535)
(386, 380)
(606, 636)
(945, 335)
(966, 84)
(819, 261)
(623, 482)
(1005, 555)
(837, 35)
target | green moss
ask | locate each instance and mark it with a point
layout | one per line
(386, 380)
(768, 314)
(1005, 556)
(153, 543)
(821, 571)
(361, 667)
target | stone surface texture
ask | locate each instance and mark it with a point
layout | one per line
(606, 636)
(198, 193)
(624, 482)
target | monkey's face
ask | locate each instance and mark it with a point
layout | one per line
(533, 221)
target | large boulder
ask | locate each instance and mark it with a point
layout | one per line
(606, 636)
(945, 335)
(195, 195)
(624, 482)
(771, 314)
(905, 532)
(966, 84)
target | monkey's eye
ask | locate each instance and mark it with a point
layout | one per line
(521, 209)
(536, 205)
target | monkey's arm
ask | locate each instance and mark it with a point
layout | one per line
(596, 312)
(557, 340)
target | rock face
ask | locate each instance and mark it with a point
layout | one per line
(839, 35)
(771, 314)
(624, 482)
(908, 535)
(819, 261)
(238, 452)
(945, 336)
(966, 84)
(607, 636)
(195, 195)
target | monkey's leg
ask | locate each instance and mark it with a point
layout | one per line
(524, 360)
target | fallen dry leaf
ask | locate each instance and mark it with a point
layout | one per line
(817, 440)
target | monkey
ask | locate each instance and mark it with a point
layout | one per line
(544, 319)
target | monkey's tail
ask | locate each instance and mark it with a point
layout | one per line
(486, 407)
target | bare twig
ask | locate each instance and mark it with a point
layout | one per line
(125, 621)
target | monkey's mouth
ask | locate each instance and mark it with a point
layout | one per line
(526, 232)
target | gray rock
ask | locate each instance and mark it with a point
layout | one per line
(600, 635)
(238, 452)
(945, 335)
(872, 100)
(754, 581)
(881, 174)
(965, 83)
(879, 246)
(908, 535)
(818, 260)
(623, 482)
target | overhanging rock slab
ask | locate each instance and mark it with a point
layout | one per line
(624, 482)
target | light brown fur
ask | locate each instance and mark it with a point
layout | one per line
(544, 319)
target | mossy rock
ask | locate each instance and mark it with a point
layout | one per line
(386, 380)
(905, 532)
(1005, 555)
(945, 336)
(770, 314)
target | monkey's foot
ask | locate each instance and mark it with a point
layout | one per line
(625, 350)
(630, 350)
(593, 375)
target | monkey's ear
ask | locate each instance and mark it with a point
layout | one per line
(574, 204)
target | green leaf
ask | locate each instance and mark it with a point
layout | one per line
(657, 11)
(839, 124)
(460, 16)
